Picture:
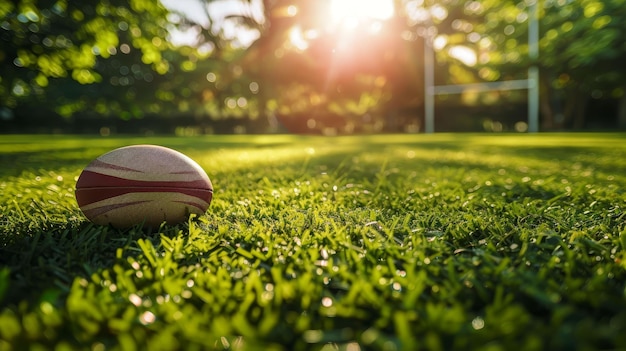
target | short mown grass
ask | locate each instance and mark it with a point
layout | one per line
(432, 242)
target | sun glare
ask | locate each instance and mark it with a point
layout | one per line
(345, 17)
(354, 10)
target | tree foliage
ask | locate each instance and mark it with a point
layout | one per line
(312, 70)
(114, 58)
(582, 47)
(584, 50)
(97, 58)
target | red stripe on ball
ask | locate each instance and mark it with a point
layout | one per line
(90, 179)
(86, 196)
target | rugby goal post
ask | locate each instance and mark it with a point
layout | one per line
(531, 83)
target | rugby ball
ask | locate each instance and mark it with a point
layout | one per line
(142, 184)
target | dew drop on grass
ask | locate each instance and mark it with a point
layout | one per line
(324, 254)
(322, 263)
(147, 318)
(327, 301)
(135, 299)
(478, 323)
(267, 295)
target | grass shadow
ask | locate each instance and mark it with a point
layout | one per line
(46, 263)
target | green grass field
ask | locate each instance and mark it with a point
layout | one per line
(432, 242)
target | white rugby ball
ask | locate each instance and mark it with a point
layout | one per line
(142, 184)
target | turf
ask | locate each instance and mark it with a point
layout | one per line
(447, 241)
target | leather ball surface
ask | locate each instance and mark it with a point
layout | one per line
(142, 184)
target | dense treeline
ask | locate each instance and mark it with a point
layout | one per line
(109, 66)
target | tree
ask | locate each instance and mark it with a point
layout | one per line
(582, 49)
(52, 51)
(308, 68)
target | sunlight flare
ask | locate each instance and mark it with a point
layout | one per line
(350, 11)
(463, 54)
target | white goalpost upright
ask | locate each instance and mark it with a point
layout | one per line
(531, 83)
